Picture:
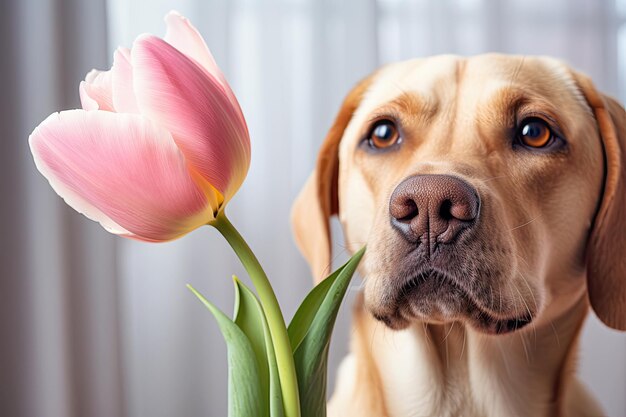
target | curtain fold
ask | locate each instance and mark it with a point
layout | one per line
(60, 329)
(13, 339)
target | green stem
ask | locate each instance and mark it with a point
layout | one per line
(275, 320)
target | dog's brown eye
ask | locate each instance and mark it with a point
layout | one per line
(383, 135)
(535, 133)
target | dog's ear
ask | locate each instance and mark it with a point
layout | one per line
(318, 200)
(606, 248)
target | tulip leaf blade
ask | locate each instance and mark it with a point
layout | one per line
(250, 318)
(301, 322)
(244, 393)
(311, 355)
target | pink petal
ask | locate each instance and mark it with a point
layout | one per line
(95, 91)
(182, 35)
(122, 81)
(176, 93)
(123, 171)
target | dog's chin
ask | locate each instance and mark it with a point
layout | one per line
(433, 297)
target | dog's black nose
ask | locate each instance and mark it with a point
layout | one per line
(433, 208)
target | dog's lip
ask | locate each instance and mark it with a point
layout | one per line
(488, 322)
(420, 276)
(497, 326)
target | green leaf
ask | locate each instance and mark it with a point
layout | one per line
(244, 393)
(301, 321)
(311, 354)
(251, 320)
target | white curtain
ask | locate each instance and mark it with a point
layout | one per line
(93, 325)
(59, 319)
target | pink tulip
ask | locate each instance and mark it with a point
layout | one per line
(160, 145)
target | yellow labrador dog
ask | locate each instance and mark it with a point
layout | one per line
(491, 194)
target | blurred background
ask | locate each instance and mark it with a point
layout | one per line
(97, 326)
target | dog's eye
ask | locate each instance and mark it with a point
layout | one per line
(534, 133)
(383, 135)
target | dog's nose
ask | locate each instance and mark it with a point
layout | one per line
(433, 208)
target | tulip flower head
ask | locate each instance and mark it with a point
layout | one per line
(160, 144)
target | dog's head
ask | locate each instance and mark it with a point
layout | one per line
(488, 190)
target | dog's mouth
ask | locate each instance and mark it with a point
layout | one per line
(435, 296)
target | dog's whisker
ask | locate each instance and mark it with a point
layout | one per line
(525, 224)
(532, 294)
(354, 242)
(521, 258)
(426, 335)
(445, 342)
(504, 357)
(515, 307)
(449, 331)
(497, 177)
(523, 300)
(463, 344)
(556, 334)
(376, 324)
(530, 291)
(521, 334)
(522, 340)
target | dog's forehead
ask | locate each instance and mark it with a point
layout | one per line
(446, 78)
